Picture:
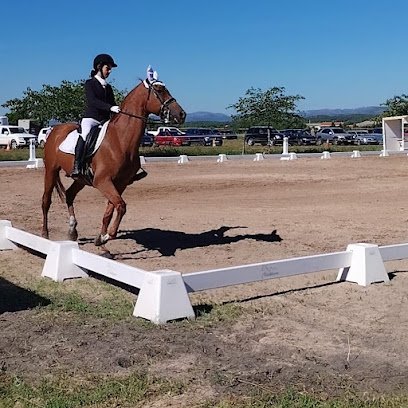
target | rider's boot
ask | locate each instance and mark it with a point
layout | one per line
(79, 157)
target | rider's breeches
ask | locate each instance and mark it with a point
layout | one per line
(86, 125)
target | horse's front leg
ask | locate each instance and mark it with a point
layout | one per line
(71, 193)
(104, 237)
(113, 194)
(50, 180)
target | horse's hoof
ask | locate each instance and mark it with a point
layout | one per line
(101, 239)
(73, 235)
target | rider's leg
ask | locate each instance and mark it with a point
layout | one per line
(86, 126)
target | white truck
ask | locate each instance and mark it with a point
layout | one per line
(164, 128)
(14, 136)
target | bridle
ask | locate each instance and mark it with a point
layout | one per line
(164, 104)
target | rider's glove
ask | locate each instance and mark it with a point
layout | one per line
(115, 109)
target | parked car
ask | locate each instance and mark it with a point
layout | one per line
(263, 135)
(42, 136)
(168, 137)
(300, 137)
(228, 134)
(14, 136)
(172, 129)
(335, 135)
(147, 140)
(204, 136)
(366, 139)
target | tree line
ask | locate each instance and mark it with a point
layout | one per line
(270, 107)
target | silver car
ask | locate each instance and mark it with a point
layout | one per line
(335, 135)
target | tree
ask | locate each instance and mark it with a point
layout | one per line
(271, 107)
(64, 103)
(396, 106)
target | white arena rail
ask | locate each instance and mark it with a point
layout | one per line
(163, 294)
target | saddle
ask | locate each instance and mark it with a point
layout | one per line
(92, 143)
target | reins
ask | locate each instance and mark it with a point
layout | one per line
(134, 116)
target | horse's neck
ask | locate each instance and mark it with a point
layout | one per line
(129, 129)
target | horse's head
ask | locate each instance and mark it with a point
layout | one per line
(160, 102)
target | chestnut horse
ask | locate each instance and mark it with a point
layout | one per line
(115, 163)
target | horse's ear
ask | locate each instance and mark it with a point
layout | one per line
(150, 73)
(155, 75)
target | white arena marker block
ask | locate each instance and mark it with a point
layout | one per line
(5, 243)
(289, 156)
(259, 157)
(142, 160)
(326, 155)
(58, 265)
(222, 158)
(366, 266)
(183, 159)
(384, 153)
(163, 297)
(355, 154)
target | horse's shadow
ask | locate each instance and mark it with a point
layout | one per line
(167, 242)
(13, 298)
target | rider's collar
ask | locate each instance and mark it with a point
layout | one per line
(101, 80)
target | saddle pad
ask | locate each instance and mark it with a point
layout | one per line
(68, 145)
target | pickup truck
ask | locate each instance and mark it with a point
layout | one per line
(14, 136)
(163, 129)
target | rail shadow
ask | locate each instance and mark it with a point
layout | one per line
(167, 242)
(13, 298)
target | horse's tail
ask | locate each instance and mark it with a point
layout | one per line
(60, 188)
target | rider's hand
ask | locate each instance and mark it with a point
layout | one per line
(115, 109)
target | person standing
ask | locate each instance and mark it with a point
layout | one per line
(100, 103)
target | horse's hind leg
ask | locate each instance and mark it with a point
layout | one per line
(70, 195)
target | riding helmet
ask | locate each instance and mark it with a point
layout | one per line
(103, 59)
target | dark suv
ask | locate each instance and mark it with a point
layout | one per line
(264, 135)
(204, 136)
(300, 137)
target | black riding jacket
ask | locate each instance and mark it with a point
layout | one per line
(99, 100)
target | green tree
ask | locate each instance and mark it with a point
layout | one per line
(396, 106)
(64, 103)
(271, 107)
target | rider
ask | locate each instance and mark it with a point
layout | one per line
(100, 101)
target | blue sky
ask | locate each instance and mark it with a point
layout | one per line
(336, 54)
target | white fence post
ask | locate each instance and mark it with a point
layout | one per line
(5, 243)
(222, 158)
(58, 265)
(366, 266)
(259, 156)
(182, 159)
(163, 297)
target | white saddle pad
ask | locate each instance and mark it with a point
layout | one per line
(68, 145)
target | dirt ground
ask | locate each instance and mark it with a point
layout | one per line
(306, 332)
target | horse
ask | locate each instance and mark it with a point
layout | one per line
(115, 163)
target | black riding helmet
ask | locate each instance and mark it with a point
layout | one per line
(103, 59)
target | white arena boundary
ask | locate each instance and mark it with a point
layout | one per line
(163, 294)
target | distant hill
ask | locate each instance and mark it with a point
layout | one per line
(207, 117)
(366, 110)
